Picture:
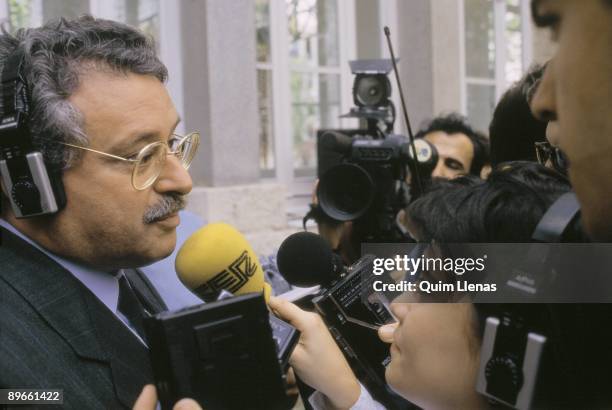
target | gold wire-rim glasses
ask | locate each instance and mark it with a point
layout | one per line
(186, 158)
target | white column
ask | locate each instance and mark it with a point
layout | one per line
(171, 53)
(446, 55)
(219, 89)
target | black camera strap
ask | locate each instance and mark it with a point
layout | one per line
(558, 219)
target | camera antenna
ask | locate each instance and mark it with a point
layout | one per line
(407, 121)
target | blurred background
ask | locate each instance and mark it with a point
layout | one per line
(258, 78)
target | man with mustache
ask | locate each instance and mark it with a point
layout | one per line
(71, 301)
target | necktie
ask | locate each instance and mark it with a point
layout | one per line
(130, 306)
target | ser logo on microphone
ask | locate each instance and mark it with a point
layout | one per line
(231, 279)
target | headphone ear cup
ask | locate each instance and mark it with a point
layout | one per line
(510, 358)
(504, 375)
(25, 193)
(31, 185)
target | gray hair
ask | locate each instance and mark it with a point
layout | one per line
(55, 55)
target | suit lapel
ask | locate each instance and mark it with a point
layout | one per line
(53, 292)
(92, 331)
(129, 358)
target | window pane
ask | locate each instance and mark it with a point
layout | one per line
(479, 38)
(480, 105)
(315, 105)
(143, 14)
(514, 42)
(31, 13)
(313, 32)
(262, 30)
(20, 13)
(64, 8)
(266, 134)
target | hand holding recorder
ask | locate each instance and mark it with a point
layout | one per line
(316, 359)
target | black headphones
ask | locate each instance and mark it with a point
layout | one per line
(512, 349)
(510, 358)
(33, 187)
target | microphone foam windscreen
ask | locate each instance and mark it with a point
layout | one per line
(306, 259)
(217, 257)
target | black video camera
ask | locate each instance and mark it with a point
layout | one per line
(363, 173)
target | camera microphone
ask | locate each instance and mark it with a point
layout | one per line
(337, 142)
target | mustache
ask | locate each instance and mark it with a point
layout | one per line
(169, 204)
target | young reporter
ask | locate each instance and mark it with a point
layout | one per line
(436, 347)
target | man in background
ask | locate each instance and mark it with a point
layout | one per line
(461, 149)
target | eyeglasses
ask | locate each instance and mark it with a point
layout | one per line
(150, 160)
(546, 152)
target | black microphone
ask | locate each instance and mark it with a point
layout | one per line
(337, 142)
(305, 259)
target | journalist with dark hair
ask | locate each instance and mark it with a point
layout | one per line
(505, 208)
(72, 304)
(514, 129)
(436, 347)
(461, 149)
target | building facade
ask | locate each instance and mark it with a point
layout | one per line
(257, 78)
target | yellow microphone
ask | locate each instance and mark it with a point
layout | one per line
(217, 257)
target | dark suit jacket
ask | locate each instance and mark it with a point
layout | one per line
(54, 333)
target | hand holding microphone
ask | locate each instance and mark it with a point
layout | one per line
(317, 360)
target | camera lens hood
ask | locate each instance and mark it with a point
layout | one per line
(345, 192)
